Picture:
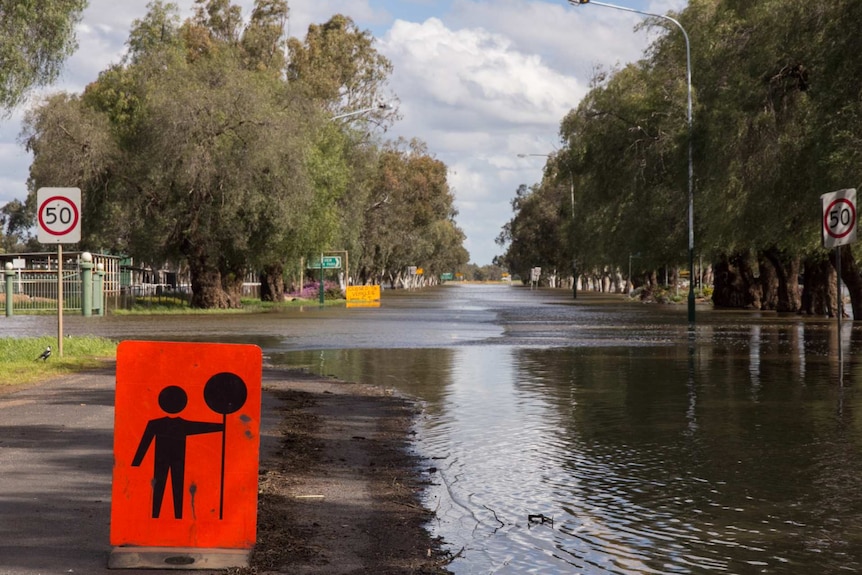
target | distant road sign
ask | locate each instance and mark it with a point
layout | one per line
(58, 215)
(363, 293)
(839, 218)
(329, 263)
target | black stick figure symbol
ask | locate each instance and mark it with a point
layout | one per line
(169, 434)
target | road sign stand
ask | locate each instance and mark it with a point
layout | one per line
(840, 313)
(59, 300)
(838, 228)
(59, 217)
(186, 454)
(177, 558)
(321, 291)
(324, 263)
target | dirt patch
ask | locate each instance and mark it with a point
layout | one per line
(340, 493)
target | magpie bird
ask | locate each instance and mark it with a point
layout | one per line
(45, 354)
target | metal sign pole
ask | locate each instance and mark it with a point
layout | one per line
(320, 290)
(60, 300)
(840, 314)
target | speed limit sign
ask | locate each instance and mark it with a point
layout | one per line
(59, 215)
(839, 218)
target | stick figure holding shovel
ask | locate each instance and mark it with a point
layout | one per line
(224, 393)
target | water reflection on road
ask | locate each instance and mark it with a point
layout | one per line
(647, 448)
(734, 451)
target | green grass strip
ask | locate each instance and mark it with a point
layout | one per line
(18, 363)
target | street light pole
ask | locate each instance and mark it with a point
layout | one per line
(690, 136)
(572, 190)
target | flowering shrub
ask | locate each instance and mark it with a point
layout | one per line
(311, 290)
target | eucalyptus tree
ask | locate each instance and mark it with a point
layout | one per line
(777, 123)
(409, 218)
(444, 248)
(838, 119)
(542, 213)
(755, 134)
(338, 66)
(625, 148)
(199, 157)
(775, 129)
(15, 224)
(535, 236)
(35, 40)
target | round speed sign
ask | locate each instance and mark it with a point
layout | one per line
(839, 218)
(59, 215)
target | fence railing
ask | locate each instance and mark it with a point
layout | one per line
(36, 290)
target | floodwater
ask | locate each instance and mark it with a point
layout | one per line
(636, 444)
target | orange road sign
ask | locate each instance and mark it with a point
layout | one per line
(186, 444)
(363, 293)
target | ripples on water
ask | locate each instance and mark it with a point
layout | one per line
(641, 468)
(737, 453)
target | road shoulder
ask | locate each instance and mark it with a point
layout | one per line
(339, 492)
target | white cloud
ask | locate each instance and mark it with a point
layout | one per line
(477, 101)
(474, 73)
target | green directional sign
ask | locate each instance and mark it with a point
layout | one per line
(329, 263)
(446, 277)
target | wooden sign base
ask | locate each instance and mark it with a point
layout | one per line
(177, 558)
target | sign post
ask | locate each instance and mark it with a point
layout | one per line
(839, 229)
(59, 217)
(324, 263)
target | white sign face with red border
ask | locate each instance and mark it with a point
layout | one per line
(839, 218)
(59, 215)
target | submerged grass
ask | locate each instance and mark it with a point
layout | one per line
(179, 307)
(19, 363)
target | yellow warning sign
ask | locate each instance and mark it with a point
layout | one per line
(363, 293)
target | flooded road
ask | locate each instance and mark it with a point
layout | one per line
(637, 446)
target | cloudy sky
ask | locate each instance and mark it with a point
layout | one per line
(480, 81)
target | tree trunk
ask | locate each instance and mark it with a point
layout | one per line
(232, 286)
(735, 285)
(853, 280)
(787, 272)
(768, 284)
(818, 292)
(272, 282)
(207, 292)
